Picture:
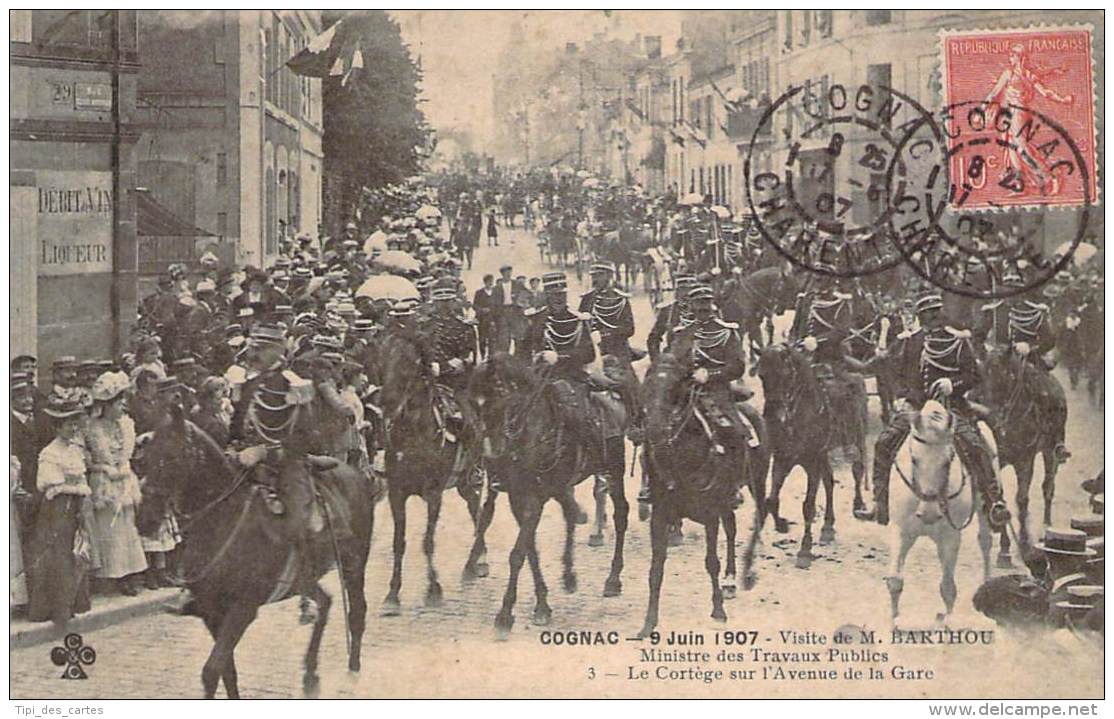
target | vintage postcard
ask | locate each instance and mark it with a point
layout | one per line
(748, 354)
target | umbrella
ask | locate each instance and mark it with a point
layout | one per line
(693, 198)
(388, 287)
(376, 241)
(721, 212)
(398, 260)
(427, 212)
(1083, 252)
(591, 182)
(583, 173)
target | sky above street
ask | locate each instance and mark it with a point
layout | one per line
(459, 51)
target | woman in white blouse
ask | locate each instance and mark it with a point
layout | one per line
(110, 440)
(60, 554)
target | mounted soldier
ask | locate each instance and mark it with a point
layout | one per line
(671, 314)
(561, 339)
(1025, 327)
(937, 360)
(612, 326)
(451, 343)
(713, 352)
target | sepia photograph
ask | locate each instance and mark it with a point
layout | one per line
(557, 354)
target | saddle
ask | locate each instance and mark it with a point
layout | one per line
(301, 509)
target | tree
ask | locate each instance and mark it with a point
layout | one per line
(374, 131)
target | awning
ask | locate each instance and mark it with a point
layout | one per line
(154, 220)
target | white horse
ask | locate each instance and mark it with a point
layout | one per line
(934, 496)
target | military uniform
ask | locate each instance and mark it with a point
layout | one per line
(927, 355)
(613, 319)
(715, 346)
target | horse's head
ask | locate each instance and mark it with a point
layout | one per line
(930, 457)
(662, 391)
(777, 368)
(177, 460)
(1001, 370)
(401, 369)
(498, 385)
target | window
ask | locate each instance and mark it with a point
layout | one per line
(708, 116)
(80, 28)
(806, 27)
(877, 17)
(19, 29)
(222, 224)
(880, 76)
(787, 16)
(222, 168)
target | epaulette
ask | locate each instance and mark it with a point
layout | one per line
(906, 334)
(991, 306)
(585, 316)
(962, 334)
(663, 305)
(1037, 305)
(531, 311)
(294, 379)
(729, 325)
(468, 321)
(619, 292)
(679, 328)
(236, 374)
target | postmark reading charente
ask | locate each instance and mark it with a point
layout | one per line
(849, 131)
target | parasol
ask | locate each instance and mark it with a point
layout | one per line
(1084, 252)
(388, 287)
(398, 260)
(722, 212)
(427, 212)
(693, 198)
(376, 241)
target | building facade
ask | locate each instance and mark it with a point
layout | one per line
(231, 138)
(72, 181)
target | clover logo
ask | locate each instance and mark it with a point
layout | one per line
(73, 654)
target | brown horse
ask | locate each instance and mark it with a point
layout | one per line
(1029, 412)
(688, 480)
(419, 460)
(804, 427)
(238, 552)
(540, 459)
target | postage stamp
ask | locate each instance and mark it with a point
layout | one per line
(1028, 80)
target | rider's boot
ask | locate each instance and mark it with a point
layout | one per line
(307, 606)
(880, 476)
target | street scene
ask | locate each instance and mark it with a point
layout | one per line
(313, 313)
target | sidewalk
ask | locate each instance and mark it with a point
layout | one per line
(106, 612)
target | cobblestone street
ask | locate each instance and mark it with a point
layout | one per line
(451, 650)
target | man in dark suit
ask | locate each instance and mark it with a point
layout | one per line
(483, 304)
(504, 310)
(28, 439)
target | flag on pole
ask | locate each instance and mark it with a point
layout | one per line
(334, 53)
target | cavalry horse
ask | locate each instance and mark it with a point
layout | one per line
(804, 426)
(933, 496)
(238, 552)
(1029, 412)
(688, 480)
(753, 300)
(539, 459)
(418, 459)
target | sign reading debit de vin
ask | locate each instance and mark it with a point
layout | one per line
(74, 222)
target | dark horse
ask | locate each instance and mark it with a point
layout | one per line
(753, 300)
(1029, 411)
(688, 480)
(540, 459)
(418, 460)
(804, 426)
(238, 554)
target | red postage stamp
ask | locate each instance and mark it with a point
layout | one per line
(1020, 117)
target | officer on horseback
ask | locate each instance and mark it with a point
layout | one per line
(562, 340)
(937, 361)
(451, 343)
(713, 350)
(670, 315)
(612, 326)
(262, 420)
(1025, 328)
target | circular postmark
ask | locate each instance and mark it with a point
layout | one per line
(816, 176)
(962, 188)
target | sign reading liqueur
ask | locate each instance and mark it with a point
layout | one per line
(74, 222)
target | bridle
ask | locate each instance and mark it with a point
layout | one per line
(940, 499)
